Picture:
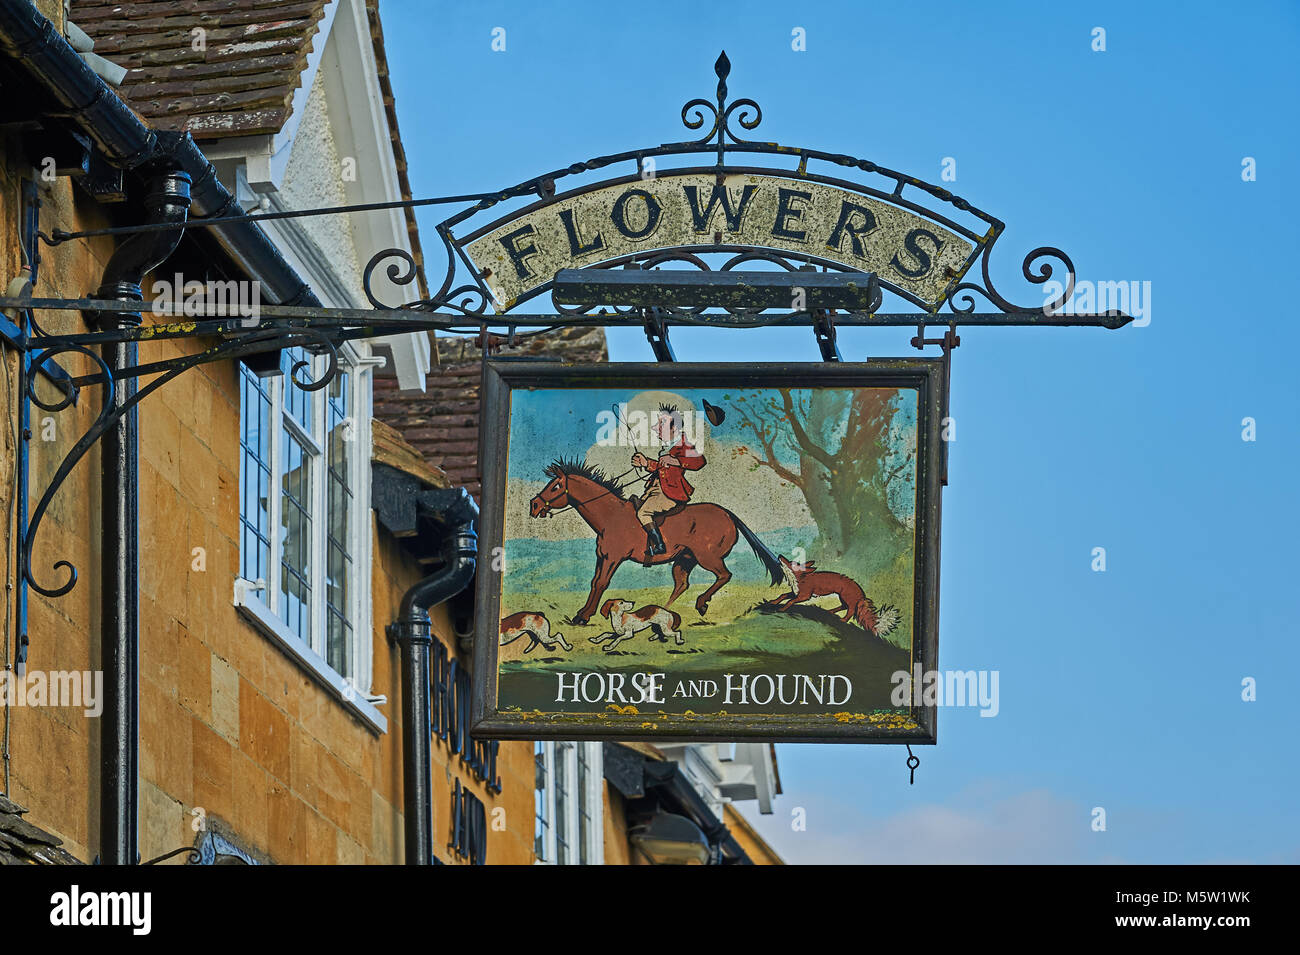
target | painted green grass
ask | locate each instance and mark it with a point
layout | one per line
(735, 638)
(734, 634)
(552, 576)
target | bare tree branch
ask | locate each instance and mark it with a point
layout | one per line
(806, 443)
(760, 433)
(894, 473)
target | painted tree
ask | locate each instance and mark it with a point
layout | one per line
(851, 454)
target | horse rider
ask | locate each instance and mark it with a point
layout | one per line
(666, 487)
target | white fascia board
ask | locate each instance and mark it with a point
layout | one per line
(251, 154)
(759, 758)
(361, 131)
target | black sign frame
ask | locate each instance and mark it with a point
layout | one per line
(502, 378)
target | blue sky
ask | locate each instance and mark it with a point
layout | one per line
(1119, 689)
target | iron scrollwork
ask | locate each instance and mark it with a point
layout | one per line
(110, 413)
(321, 343)
(966, 291)
(405, 276)
(322, 332)
(193, 856)
(103, 421)
(750, 113)
(721, 118)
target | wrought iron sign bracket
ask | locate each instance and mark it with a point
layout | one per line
(668, 243)
(656, 333)
(825, 333)
(946, 343)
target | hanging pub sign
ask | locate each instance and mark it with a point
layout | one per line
(708, 551)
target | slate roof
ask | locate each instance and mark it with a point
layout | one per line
(21, 843)
(442, 423)
(241, 84)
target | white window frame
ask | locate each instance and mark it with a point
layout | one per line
(556, 756)
(260, 600)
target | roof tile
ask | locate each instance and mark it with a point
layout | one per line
(21, 843)
(270, 39)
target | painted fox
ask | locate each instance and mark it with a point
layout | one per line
(806, 581)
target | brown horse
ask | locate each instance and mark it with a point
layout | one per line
(693, 534)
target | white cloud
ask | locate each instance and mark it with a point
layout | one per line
(1035, 826)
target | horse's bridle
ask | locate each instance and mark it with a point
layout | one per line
(550, 507)
(563, 489)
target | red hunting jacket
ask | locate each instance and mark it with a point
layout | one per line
(673, 480)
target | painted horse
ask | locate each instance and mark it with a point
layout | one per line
(694, 534)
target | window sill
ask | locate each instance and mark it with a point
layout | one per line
(260, 616)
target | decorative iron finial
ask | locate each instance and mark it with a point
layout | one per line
(749, 118)
(722, 67)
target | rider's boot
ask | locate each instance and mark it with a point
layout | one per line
(654, 540)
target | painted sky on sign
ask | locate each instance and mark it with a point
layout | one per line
(581, 425)
(1118, 689)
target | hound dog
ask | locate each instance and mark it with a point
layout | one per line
(627, 623)
(536, 627)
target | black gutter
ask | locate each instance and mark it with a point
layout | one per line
(97, 112)
(454, 510)
(168, 201)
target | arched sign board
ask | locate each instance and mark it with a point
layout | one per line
(822, 221)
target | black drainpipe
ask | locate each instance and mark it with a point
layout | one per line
(167, 200)
(412, 631)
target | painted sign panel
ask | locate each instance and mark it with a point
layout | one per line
(708, 551)
(799, 216)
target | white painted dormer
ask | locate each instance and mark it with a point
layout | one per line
(335, 149)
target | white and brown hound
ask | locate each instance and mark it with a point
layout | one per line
(536, 627)
(627, 623)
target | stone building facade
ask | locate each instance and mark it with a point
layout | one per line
(243, 736)
(269, 718)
